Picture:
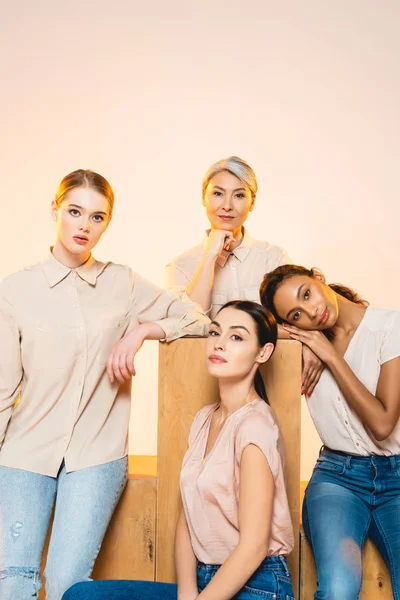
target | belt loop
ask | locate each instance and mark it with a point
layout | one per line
(348, 462)
(393, 462)
(285, 565)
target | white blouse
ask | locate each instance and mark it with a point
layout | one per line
(376, 341)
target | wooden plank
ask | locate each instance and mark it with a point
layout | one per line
(282, 377)
(142, 465)
(180, 398)
(128, 550)
(376, 579)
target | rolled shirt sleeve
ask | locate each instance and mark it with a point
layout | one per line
(176, 316)
(10, 361)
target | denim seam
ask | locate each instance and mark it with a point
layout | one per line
(389, 551)
(261, 593)
(29, 572)
(363, 539)
(118, 493)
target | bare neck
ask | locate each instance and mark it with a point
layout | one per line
(67, 258)
(350, 316)
(234, 394)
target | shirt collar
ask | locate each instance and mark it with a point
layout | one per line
(241, 252)
(56, 271)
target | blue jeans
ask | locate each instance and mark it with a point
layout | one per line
(271, 581)
(85, 502)
(348, 499)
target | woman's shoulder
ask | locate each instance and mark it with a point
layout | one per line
(203, 413)
(20, 279)
(186, 258)
(382, 320)
(199, 420)
(258, 415)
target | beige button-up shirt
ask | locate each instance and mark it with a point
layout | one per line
(238, 274)
(57, 326)
(375, 341)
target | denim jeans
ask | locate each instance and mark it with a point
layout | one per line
(271, 581)
(348, 499)
(85, 502)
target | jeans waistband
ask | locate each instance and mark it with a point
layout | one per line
(270, 562)
(375, 459)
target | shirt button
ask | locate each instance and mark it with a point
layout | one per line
(82, 328)
(346, 422)
(338, 398)
(76, 304)
(82, 355)
(65, 438)
(357, 444)
(119, 324)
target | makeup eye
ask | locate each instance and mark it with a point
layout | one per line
(74, 212)
(240, 195)
(306, 294)
(217, 193)
(213, 333)
(296, 315)
(236, 338)
(98, 218)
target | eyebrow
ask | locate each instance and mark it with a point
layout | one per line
(298, 298)
(241, 189)
(231, 327)
(97, 212)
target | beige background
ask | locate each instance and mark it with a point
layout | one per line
(150, 93)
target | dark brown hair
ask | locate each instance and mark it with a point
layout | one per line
(85, 178)
(273, 280)
(267, 332)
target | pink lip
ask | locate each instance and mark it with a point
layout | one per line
(324, 317)
(225, 217)
(80, 240)
(214, 358)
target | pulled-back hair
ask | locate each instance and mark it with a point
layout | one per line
(88, 179)
(236, 166)
(267, 333)
(273, 280)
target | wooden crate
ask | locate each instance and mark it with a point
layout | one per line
(376, 579)
(180, 398)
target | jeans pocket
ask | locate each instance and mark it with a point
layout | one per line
(262, 584)
(248, 593)
(325, 464)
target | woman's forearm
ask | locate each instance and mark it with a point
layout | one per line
(200, 288)
(185, 561)
(372, 412)
(235, 572)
